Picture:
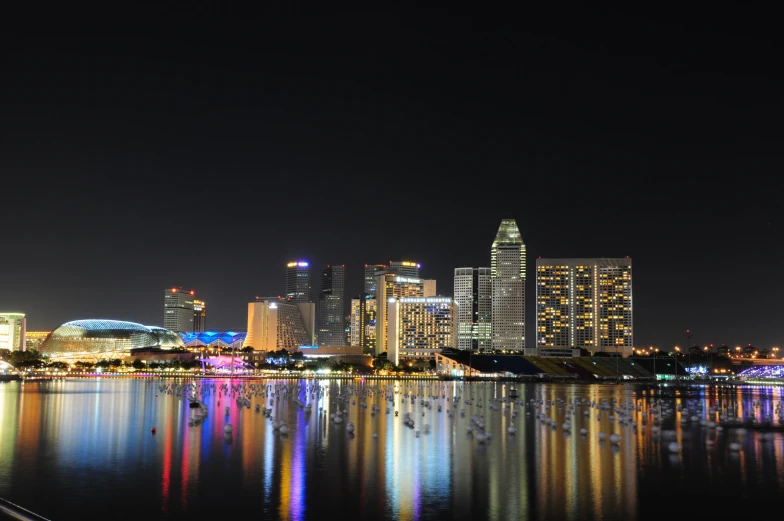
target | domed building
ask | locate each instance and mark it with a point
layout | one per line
(101, 338)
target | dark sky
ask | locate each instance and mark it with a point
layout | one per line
(143, 147)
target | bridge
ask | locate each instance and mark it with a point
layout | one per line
(7, 368)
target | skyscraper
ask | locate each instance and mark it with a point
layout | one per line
(584, 303)
(199, 316)
(507, 271)
(370, 277)
(298, 282)
(363, 323)
(404, 268)
(473, 295)
(330, 315)
(178, 310)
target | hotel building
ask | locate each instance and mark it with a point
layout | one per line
(507, 271)
(473, 298)
(390, 286)
(35, 339)
(13, 331)
(584, 303)
(331, 319)
(419, 327)
(298, 282)
(275, 323)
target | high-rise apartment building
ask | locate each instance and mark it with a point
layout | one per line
(419, 327)
(584, 303)
(13, 327)
(199, 316)
(298, 282)
(473, 298)
(275, 323)
(178, 310)
(331, 317)
(507, 271)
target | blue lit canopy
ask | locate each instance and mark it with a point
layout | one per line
(214, 338)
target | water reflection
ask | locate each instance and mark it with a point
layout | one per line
(91, 441)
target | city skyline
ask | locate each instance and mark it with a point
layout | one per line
(208, 154)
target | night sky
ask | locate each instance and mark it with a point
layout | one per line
(205, 146)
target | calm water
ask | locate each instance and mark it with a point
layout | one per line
(84, 449)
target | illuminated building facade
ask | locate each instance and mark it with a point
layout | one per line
(330, 307)
(298, 281)
(275, 323)
(94, 339)
(34, 339)
(178, 309)
(507, 270)
(473, 296)
(584, 303)
(363, 323)
(392, 286)
(13, 331)
(419, 327)
(199, 316)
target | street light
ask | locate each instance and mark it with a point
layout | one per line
(655, 350)
(677, 352)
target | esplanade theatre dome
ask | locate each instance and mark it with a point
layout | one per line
(100, 337)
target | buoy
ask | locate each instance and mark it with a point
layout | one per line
(152, 430)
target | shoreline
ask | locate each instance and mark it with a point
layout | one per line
(666, 384)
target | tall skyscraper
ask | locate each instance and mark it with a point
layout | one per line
(199, 316)
(370, 277)
(330, 315)
(403, 268)
(584, 303)
(178, 310)
(298, 282)
(507, 270)
(363, 323)
(473, 295)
